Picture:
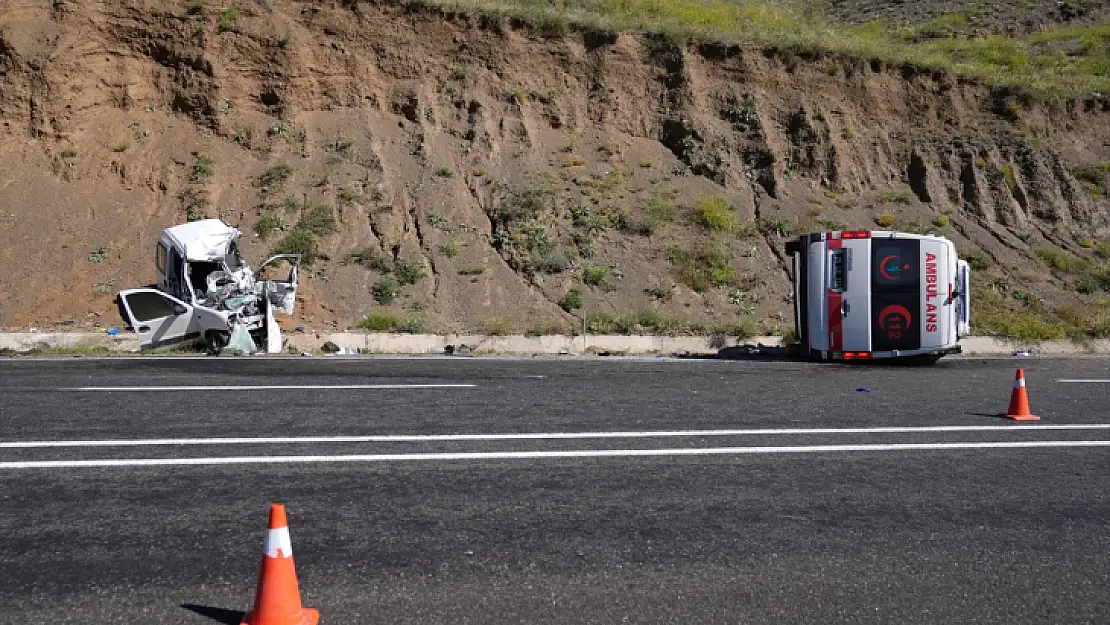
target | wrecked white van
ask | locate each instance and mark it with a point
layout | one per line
(206, 293)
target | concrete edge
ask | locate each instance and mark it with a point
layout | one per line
(429, 344)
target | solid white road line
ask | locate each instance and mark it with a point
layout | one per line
(511, 455)
(342, 387)
(1084, 381)
(411, 438)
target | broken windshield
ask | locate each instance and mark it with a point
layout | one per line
(198, 275)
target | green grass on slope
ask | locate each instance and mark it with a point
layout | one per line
(1061, 61)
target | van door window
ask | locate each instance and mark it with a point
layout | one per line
(838, 270)
(148, 306)
(198, 276)
(174, 274)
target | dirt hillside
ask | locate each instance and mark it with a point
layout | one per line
(453, 172)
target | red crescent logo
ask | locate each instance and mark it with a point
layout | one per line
(882, 268)
(894, 310)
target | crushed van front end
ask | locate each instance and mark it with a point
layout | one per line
(205, 292)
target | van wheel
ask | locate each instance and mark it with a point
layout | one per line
(215, 342)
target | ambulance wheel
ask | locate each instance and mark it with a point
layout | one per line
(215, 342)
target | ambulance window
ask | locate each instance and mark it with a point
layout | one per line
(160, 258)
(894, 266)
(838, 270)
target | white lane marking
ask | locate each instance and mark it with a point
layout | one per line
(511, 455)
(344, 387)
(411, 438)
(1084, 381)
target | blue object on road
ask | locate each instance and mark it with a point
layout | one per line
(112, 331)
(863, 389)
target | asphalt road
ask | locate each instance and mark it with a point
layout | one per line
(555, 491)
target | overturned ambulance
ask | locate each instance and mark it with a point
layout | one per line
(871, 295)
(206, 293)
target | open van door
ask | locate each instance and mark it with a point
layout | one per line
(282, 293)
(158, 318)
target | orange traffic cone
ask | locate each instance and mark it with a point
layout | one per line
(277, 600)
(1019, 401)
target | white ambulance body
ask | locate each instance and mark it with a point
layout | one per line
(861, 294)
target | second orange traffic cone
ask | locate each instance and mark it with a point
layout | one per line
(1019, 401)
(278, 598)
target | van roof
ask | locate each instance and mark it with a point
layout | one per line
(206, 239)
